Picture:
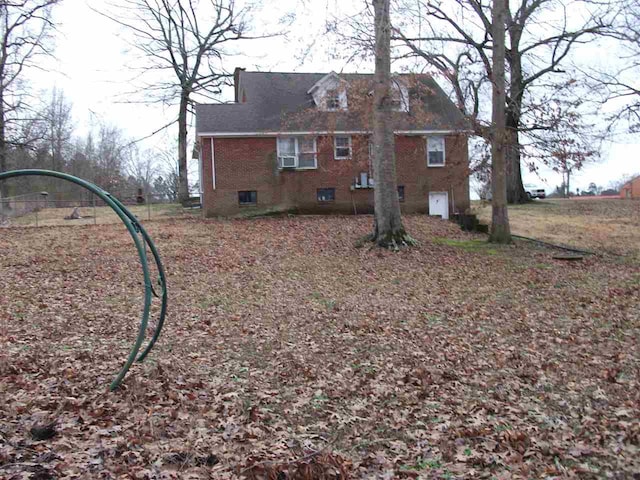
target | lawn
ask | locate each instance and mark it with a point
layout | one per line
(604, 225)
(290, 354)
(99, 215)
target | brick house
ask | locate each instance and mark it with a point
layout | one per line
(631, 189)
(301, 141)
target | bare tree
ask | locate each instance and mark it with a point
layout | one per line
(500, 231)
(456, 40)
(166, 184)
(185, 39)
(388, 229)
(25, 28)
(572, 144)
(622, 86)
(111, 155)
(143, 167)
(58, 128)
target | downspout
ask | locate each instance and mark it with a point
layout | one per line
(213, 166)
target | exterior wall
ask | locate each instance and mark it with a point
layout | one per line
(631, 189)
(251, 164)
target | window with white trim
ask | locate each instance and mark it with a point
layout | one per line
(297, 152)
(341, 148)
(332, 100)
(435, 151)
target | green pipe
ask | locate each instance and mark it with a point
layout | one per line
(162, 279)
(133, 226)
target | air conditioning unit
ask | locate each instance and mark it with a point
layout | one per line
(288, 162)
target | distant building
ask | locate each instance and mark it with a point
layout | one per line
(296, 141)
(631, 189)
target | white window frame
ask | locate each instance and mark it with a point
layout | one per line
(400, 95)
(296, 157)
(335, 147)
(339, 94)
(441, 139)
(333, 94)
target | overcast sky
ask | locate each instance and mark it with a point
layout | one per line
(93, 67)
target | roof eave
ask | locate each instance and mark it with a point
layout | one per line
(327, 132)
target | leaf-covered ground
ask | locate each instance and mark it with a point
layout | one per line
(288, 353)
(604, 224)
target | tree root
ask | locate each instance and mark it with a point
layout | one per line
(393, 241)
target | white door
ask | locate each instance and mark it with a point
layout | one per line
(439, 204)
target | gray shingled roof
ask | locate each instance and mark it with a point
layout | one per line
(279, 102)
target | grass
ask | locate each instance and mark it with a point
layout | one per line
(100, 215)
(474, 245)
(288, 350)
(610, 225)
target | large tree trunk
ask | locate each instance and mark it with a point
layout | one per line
(515, 188)
(500, 231)
(183, 181)
(388, 229)
(4, 188)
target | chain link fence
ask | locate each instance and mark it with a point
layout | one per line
(37, 209)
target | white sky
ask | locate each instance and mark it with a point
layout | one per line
(93, 63)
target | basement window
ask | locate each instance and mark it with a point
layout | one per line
(435, 151)
(401, 193)
(326, 195)
(248, 197)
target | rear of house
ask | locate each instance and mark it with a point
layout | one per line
(301, 141)
(631, 189)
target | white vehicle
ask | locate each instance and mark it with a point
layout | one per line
(534, 192)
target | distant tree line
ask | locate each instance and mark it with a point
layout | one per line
(37, 128)
(612, 188)
(104, 155)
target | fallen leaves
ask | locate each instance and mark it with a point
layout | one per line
(288, 353)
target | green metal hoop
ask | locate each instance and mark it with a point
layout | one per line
(141, 240)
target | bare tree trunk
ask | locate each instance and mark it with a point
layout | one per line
(388, 229)
(4, 188)
(500, 231)
(189, 39)
(515, 188)
(183, 182)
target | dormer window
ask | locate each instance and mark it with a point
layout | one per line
(330, 93)
(335, 99)
(332, 100)
(396, 100)
(399, 96)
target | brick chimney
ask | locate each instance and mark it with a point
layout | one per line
(236, 83)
